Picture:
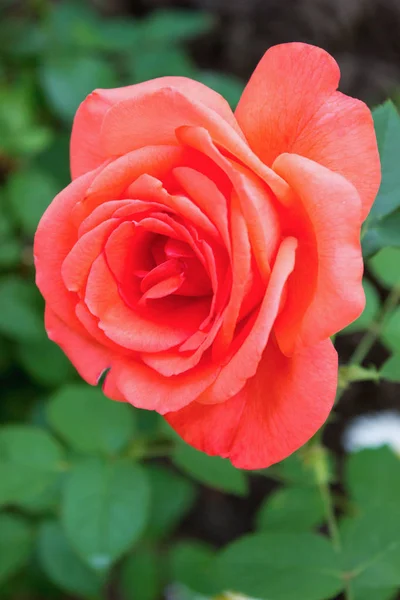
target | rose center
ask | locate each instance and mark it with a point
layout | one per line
(176, 270)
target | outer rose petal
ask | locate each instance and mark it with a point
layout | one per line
(333, 208)
(86, 151)
(145, 388)
(290, 105)
(55, 236)
(277, 411)
(89, 358)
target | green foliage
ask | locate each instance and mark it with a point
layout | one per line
(15, 544)
(291, 509)
(22, 134)
(105, 509)
(190, 564)
(382, 227)
(141, 577)
(173, 26)
(29, 192)
(62, 565)
(391, 331)
(88, 422)
(53, 368)
(299, 468)
(387, 127)
(210, 470)
(151, 64)
(30, 460)
(371, 548)
(258, 565)
(391, 368)
(386, 267)
(380, 466)
(172, 496)
(18, 318)
(66, 81)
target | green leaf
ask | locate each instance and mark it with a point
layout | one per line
(67, 81)
(20, 318)
(385, 266)
(279, 566)
(21, 37)
(30, 460)
(382, 227)
(10, 253)
(29, 193)
(141, 576)
(172, 496)
(118, 35)
(105, 509)
(152, 63)
(20, 133)
(391, 369)
(229, 86)
(45, 362)
(371, 547)
(60, 563)
(382, 233)
(299, 468)
(212, 471)
(89, 422)
(72, 25)
(361, 593)
(55, 160)
(391, 331)
(172, 26)
(387, 127)
(370, 311)
(380, 466)
(15, 545)
(291, 509)
(189, 563)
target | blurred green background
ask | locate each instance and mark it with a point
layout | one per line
(99, 500)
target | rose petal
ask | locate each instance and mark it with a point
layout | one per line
(149, 331)
(87, 152)
(206, 195)
(241, 277)
(77, 263)
(324, 293)
(113, 180)
(55, 236)
(244, 363)
(277, 411)
(145, 388)
(257, 202)
(89, 358)
(302, 113)
(157, 116)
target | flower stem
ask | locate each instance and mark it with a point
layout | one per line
(332, 525)
(330, 515)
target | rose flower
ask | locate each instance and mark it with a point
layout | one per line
(204, 258)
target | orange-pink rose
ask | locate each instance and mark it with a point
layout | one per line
(205, 258)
